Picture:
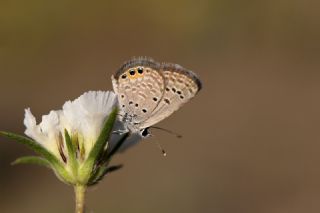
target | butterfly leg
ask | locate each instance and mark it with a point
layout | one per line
(120, 131)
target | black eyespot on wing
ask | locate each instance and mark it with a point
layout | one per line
(124, 76)
(155, 99)
(136, 62)
(167, 101)
(144, 110)
(136, 105)
(140, 70)
(132, 72)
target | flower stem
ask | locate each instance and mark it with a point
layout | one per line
(80, 191)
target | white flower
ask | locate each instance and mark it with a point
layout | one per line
(83, 118)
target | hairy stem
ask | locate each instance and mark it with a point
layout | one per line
(80, 192)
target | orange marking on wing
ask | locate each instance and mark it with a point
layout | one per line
(135, 76)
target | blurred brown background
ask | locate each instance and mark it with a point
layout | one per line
(251, 138)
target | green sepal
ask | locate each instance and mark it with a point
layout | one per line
(102, 164)
(33, 145)
(107, 155)
(32, 160)
(72, 161)
(85, 172)
(36, 147)
(101, 172)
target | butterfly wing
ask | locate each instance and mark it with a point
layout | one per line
(139, 86)
(181, 85)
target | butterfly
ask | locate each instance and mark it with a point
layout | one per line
(149, 91)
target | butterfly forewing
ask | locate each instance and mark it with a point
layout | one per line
(180, 86)
(139, 86)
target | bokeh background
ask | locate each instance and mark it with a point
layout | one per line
(251, 137)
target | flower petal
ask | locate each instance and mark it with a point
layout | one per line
(29, 120)
(32, 130)
(86, 114)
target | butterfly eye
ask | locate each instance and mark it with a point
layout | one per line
(132, 72)
(140, 70)
(145, 132)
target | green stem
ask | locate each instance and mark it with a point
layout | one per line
(80, 191)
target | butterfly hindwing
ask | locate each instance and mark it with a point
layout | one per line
(180, 86)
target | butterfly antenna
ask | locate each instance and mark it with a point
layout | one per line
(168, 131)
(162, 150)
